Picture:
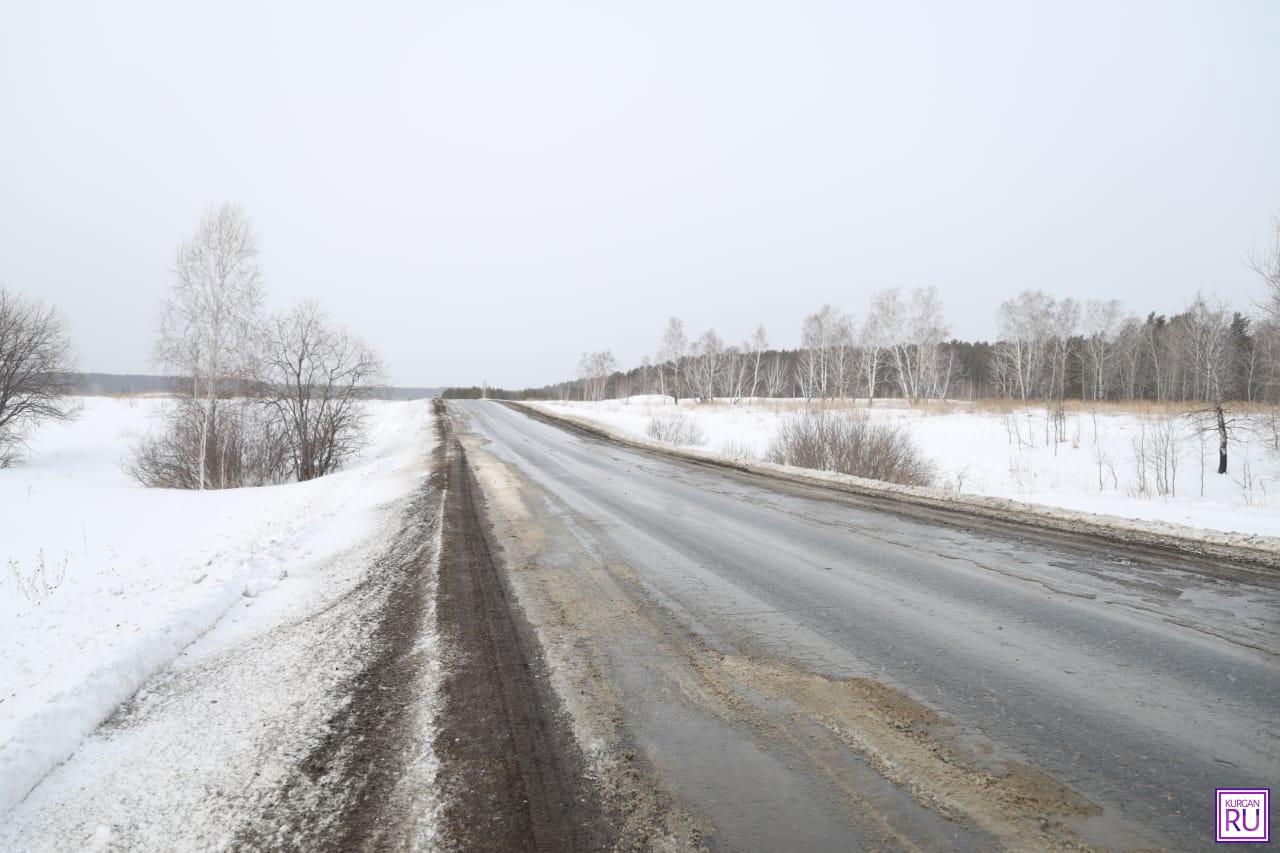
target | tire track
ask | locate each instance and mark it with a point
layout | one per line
(513, 775)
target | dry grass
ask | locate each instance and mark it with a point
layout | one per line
(1076, 407)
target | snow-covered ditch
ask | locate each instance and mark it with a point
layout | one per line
(1004, 454)
(103, 582)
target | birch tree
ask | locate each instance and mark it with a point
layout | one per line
(874, 340)
(813, 355)
(826, 341)
(1266, 264)
(1208, 338)
(844, 358)
(1129, 346)
(706, 365)
(1102, 322)
(646, 378)
(1064, 320)
(919, 333)
(777, 375)
(737, 372)
(209, 321)
(672, 351)
(759, 343)
(1026, 327)
(595, 368)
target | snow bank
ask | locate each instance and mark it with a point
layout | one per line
(105, 582)
(987, 470)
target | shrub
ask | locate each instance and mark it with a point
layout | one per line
(738, 450)
(851, 443)
(244, 447)
(674, 428)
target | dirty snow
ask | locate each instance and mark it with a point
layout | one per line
(1005, 454)
(105, 583)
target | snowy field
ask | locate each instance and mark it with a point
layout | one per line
(1003, 452)
(106, 582)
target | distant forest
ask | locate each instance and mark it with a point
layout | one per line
(1048, 349)
(112, 384)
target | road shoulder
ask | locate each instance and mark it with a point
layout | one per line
(513, 776)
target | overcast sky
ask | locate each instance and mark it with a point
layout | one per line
(485, 190)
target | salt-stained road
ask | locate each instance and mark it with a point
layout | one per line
(800, 670)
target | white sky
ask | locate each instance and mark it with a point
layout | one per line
(485, 190)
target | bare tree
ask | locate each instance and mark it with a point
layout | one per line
(209, 322)
(874, 339)
(759, 343)
(595, 368)
(1026, 328)
(844, 372)
(317, 377)
(1102, 323)
(1267, 264)
(826, 355)
(777, 375)
(646, 379)
(1130, 346)
(918, 334)
(1208, 343)
(672, 352)
(1207, 340)
(812, 367)
(706, 365)
(736, 372)
(36, 361)
(1065, 319)
(1267, 348)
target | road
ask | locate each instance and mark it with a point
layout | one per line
(792, 668)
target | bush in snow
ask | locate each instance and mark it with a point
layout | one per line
(232, 443)
(674, 428)
(738, 450)
(316, 376)
(851, 443)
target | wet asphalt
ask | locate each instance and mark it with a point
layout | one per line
(1142, 682)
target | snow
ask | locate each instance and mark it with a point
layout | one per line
(977, 453)
(105, 582)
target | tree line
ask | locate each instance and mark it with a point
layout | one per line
(1206, 356)
(1048, 349)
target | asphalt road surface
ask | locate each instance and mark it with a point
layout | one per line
(798, 669)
